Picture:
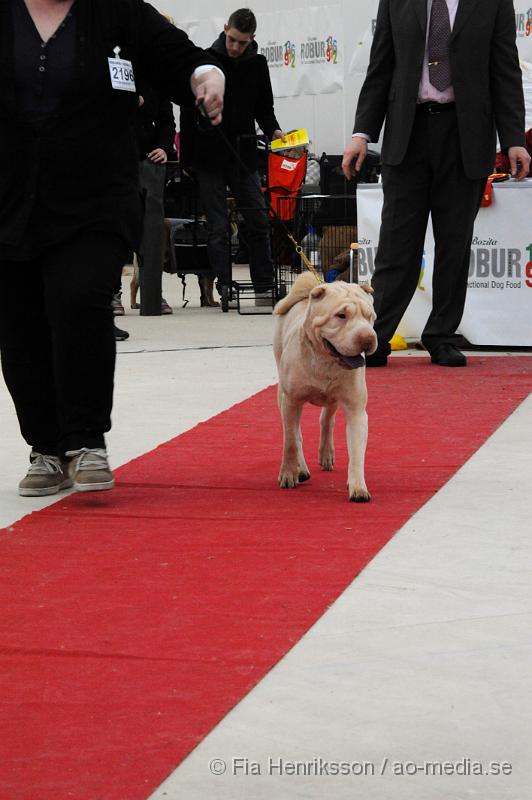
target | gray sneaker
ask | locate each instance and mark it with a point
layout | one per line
(89, 469)
(46, 475)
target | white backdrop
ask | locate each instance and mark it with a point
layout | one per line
(305, 51)
(498, 308)
(319, 96)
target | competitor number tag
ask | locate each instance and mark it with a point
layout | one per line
(122, 76)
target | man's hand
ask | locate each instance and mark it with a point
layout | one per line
(279, 135)
(158, 156)
(354, 155)
(519, 162)
(208, 88)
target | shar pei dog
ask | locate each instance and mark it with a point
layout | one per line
(322, 333)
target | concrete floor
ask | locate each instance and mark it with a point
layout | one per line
(426, 657)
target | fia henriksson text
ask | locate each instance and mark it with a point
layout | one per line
(241, 766)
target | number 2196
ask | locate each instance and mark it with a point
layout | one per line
(122, 74)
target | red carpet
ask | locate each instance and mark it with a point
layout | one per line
(134, 620)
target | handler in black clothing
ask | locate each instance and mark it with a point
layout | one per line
(445, 74)
(70, 210)
(248, 97)
(155, 136)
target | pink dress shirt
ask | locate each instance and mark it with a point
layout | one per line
(427, 92)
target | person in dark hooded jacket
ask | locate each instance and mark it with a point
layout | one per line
(248, 100)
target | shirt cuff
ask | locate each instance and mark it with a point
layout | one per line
(205, 68)
(361, 136)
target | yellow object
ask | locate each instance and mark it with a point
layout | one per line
(398, 343)
(293, 139)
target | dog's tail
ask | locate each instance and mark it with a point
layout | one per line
(301, 289)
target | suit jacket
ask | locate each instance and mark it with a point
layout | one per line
(486, 78)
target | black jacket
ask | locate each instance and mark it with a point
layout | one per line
(155, 124)
(485, 74)
(248, 98)
(80, 169)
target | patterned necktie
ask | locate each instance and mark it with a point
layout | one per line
(438, 45)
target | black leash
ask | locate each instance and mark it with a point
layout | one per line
(299, 250)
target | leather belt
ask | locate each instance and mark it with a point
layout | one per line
(435, 108)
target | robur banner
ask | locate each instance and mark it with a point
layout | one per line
(304, 50)
(498, 308)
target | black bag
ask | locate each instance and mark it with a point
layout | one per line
(333, 180)
(189, 243)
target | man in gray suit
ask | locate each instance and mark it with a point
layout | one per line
(445, 76)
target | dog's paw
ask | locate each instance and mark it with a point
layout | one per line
(360, 496)
(326, 457)
(288, 479)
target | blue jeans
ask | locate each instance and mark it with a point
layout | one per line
(247, 190)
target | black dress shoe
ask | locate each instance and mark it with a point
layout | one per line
(377, 359)
(120, 335)
(447, 355)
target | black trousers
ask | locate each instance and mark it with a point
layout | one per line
(246, 188)
(151, 252)
(57, 342)
(430, 179)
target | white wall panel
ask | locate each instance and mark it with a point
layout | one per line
(328, 117)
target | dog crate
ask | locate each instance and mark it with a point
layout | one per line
(185, 223)
(186, 251)
(325, 226)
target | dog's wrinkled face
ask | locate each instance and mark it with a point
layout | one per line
(339, 322)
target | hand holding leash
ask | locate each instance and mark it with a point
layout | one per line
(208, 88)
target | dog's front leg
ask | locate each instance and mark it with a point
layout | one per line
(357, 437)
(326, 450)
(292, 471)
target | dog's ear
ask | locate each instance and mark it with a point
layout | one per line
(366, 288)
(318, 291)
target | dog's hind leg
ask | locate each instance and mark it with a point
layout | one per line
(209, 286)
(326, 450)
(134, 285)
(206, 296)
